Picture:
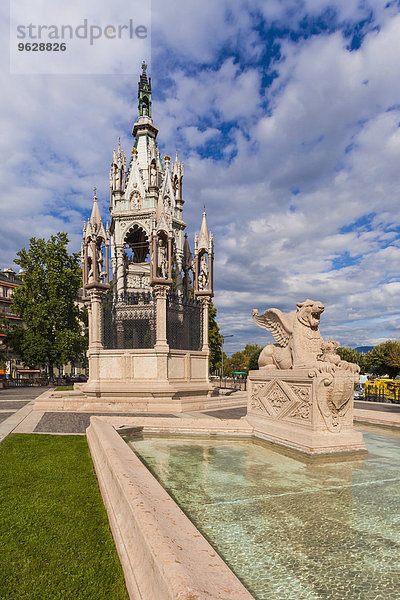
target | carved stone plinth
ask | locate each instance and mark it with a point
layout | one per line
(312, 414)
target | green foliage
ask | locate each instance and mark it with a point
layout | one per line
(54, 535)
(253, 360)
(52, 333)
(351, 355)
(251, 349)
(237, 362)
(214, 339)
(384, 359)
(348, 354)
(244, 360)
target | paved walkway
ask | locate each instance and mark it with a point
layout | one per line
(15, 406)
(17, 416)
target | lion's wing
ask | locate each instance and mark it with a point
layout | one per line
(276, 322)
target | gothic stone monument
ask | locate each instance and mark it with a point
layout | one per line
(148, 326)
(302, 395)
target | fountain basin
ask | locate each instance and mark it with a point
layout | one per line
(288, 525)
(162, 553)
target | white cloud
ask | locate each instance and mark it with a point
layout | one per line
(195, 137)
(288, 182)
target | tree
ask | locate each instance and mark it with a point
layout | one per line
(253, 360)
(252, 352)
(384, 359)
(250, 349)
(214, 339)
(236, 363)
(52, 333)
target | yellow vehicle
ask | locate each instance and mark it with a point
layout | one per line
(389, 389)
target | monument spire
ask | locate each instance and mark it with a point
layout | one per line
(95, 218)
(144, 93)
(144, 124)
(204, 238)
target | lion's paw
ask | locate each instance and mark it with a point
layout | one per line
(348, 366)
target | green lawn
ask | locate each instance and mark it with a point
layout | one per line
(64, 388)
(55, 541)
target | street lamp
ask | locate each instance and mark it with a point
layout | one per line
(222, 362)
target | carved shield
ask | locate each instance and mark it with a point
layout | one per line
(343, 391)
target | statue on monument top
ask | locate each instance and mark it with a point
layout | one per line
(203, 275)
(162, 261)
(153, 175)
(299, 344)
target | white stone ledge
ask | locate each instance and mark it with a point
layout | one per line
(377, 417)
(162, 554)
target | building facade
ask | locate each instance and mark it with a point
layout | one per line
(10, 364)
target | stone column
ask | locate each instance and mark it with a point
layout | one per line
(120, 334)
(107, 245)
(160, 292)
(89, 309)
(114, 264)
(179, 282)
(205, 301)
(95, 320)
(85, 270)
(96, 292)
(120, 271)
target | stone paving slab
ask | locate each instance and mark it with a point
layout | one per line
(12, 405)
(28, 424)
(78, 422)
(228, 413)
(21, 393)
(5, 415)
(14, 420)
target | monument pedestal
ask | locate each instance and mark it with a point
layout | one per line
(311, 412)
(147, 380)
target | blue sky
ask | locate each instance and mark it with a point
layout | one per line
(287, 117)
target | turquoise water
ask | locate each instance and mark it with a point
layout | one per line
(290, 529)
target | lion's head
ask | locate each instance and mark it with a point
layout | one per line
(309, 313)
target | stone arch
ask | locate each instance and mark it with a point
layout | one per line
(137, 247)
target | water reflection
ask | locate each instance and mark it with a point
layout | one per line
(290, 528)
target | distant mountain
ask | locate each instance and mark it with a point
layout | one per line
(364, 349)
